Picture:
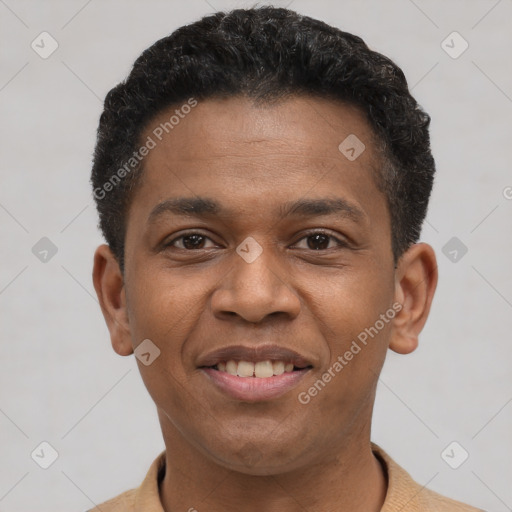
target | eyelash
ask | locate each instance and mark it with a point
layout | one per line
(339, 242)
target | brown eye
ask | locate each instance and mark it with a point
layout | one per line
(193, 241)
(320, 240)
(189, 241)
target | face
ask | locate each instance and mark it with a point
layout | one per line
(253, 237)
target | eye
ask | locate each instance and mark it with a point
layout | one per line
(315, 241)
(190, 241)
(319, 240)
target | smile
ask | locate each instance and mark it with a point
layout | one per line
(253, 382)
(260, 369)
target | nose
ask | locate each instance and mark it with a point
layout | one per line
(256, 290)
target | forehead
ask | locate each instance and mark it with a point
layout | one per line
(251, 155)
(239, 125)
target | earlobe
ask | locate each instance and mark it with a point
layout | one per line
(109, 285)
(415, 285)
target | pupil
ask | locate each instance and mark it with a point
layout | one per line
(324, 245)
(194, 245)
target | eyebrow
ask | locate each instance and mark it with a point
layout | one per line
(206, 207)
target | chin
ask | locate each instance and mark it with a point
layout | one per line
(259, 459)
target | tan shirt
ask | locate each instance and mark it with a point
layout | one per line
(403, 493)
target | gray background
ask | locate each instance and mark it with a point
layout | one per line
(60, 380)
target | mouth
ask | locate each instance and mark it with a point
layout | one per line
(257, 370)
(254, 374)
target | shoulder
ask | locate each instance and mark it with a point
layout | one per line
(143, 498)
(439, 503)
(124, 502)
(406, 494)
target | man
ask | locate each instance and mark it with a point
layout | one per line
(261, 180)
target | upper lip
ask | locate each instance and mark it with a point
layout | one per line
(253, 354)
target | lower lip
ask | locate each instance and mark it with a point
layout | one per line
(254, 389)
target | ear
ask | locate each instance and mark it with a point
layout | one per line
(415, 284)
(109, 285)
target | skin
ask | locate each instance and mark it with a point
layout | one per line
(311, 296)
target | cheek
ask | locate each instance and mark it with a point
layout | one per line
(164, 311)
(351, 301)
(343, 389)
(355, 318)
(162, 304)
(160, 311)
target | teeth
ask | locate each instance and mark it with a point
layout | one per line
(245, 369)
(278, 367)
(261, 369)
(231, 367)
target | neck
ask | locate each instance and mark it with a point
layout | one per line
(349, 478)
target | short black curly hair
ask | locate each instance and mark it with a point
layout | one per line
(265, 53)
